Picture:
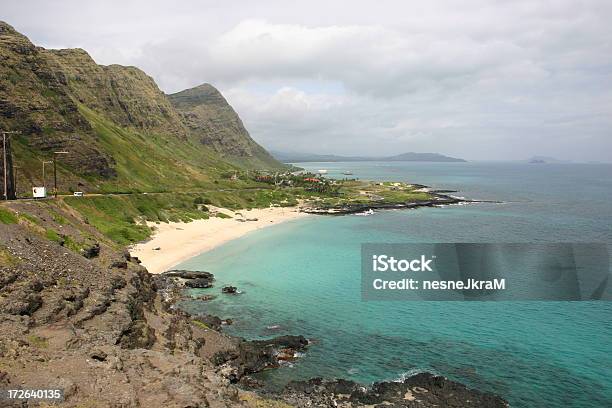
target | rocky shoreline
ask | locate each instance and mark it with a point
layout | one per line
(246, 357)
(419, 390)
(98, 326)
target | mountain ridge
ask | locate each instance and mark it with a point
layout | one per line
(121, 131)
(409, 156)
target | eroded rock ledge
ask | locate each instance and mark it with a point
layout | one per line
(422, 390)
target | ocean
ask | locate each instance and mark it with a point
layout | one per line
(303, 277)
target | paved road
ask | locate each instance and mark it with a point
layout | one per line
(146, 193)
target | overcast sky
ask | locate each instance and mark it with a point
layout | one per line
(473, 79)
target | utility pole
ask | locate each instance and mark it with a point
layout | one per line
(55, 172)
(44, 176)
(5, 159)
(15, 179)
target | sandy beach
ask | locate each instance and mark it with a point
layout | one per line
(175, 242)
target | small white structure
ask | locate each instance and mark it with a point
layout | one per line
(322, 171)
(39, 192)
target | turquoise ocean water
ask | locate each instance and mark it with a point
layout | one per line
(304, 276)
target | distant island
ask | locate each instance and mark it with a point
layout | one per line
(545, 159)
(410, 156)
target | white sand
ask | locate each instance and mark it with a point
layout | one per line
(179, 241)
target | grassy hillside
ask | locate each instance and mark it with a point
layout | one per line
(123, 218)
(155, 161)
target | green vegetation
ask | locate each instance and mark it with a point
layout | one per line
(154, 162)
(200, 324)
(7, 216)
(49, 93)
(58, 218)
(13, 77)
(52, 235)
(30, 218)
(200, 200)
(73, 245)
(122, 218)
(188, 151)
(64, 240)
(37, 341)
(348, 192)
(7, 259)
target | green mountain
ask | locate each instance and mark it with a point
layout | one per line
(121, 131)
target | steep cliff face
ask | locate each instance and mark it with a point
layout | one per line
(35, 102)
(126, 95)
(121, 131)
(212, 120)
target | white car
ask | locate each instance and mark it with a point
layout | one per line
(78, 194)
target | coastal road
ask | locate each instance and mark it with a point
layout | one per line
(145, 193)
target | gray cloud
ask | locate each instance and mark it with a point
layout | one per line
(476, 79)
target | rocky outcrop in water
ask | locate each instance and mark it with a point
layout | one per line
(230, 290)
(214, 322)
(258, 355)
(191, 279)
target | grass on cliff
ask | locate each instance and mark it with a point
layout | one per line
(52, 235)
(147, 161)
(7, 259)
(201, 325)
(122, 218)
(7, 216)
